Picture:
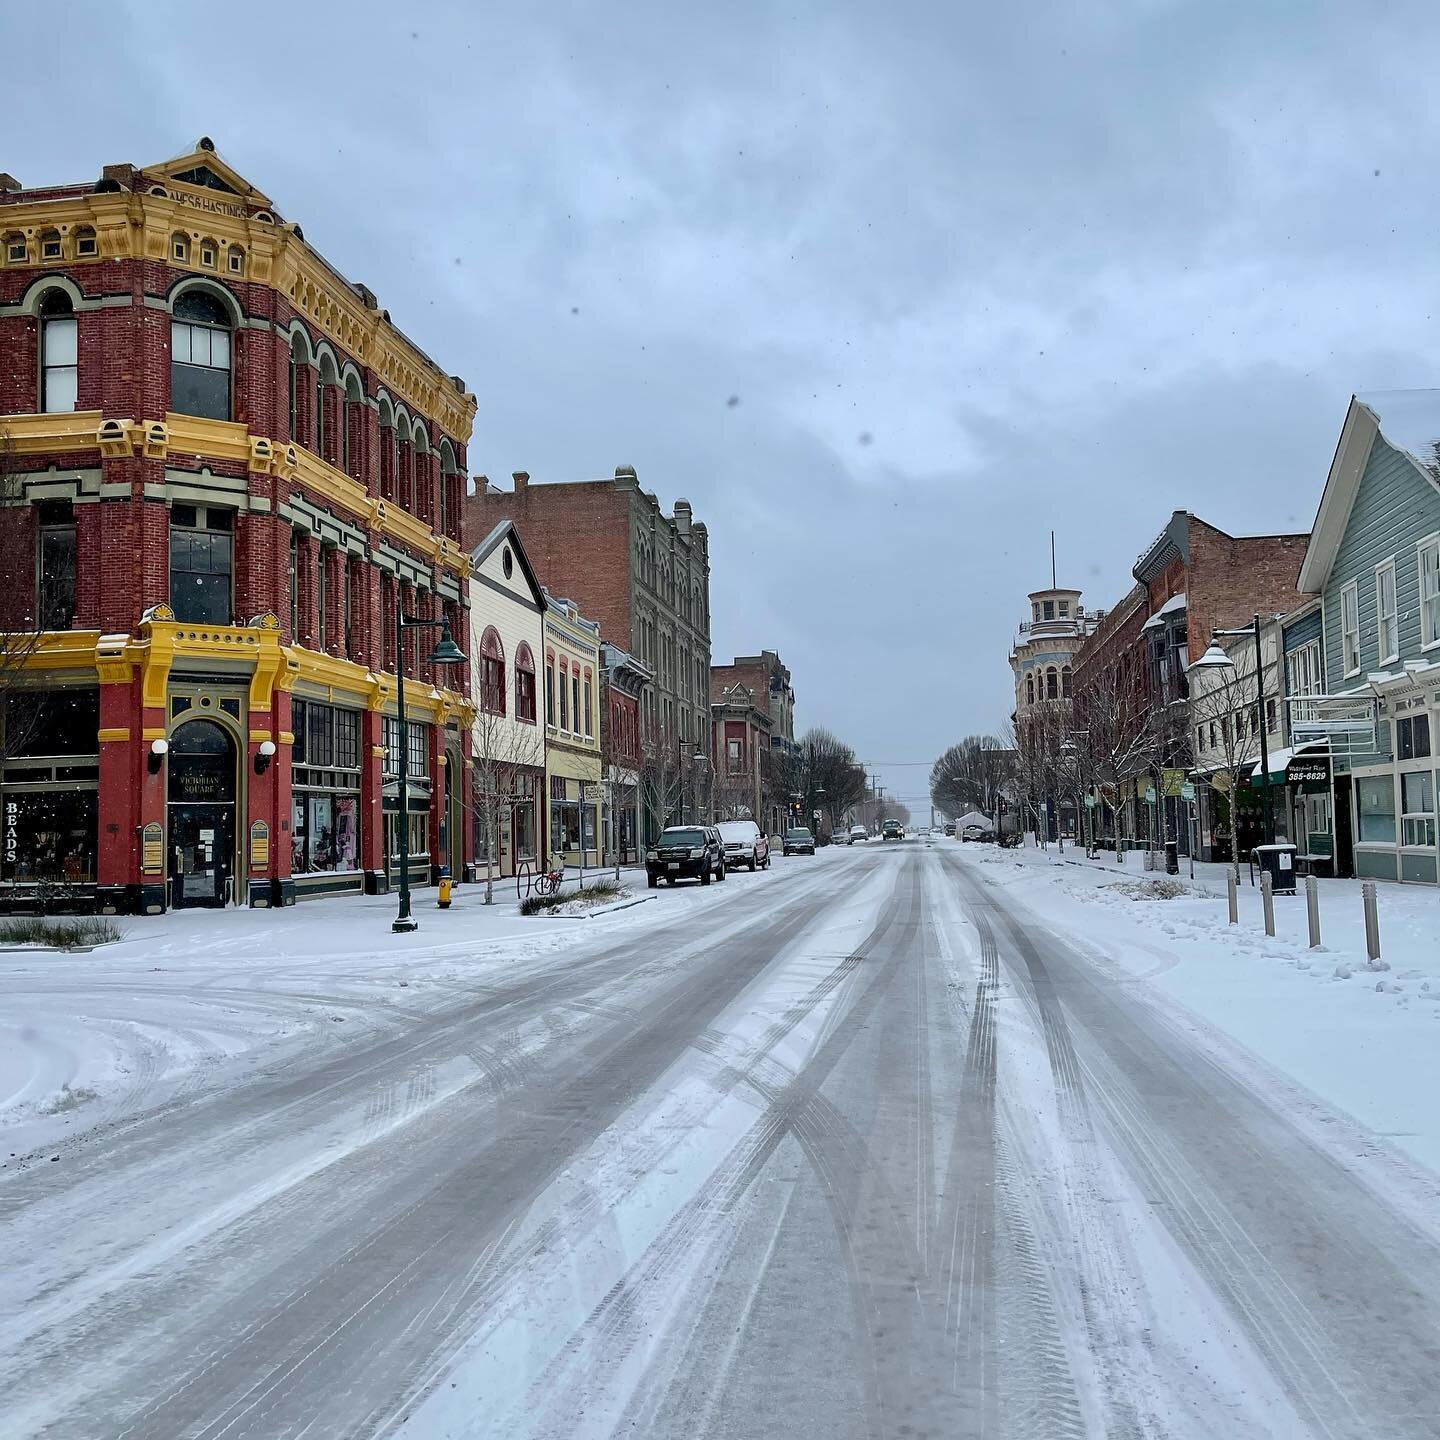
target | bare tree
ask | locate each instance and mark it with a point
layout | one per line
(1113, 739)
(505, 748)
(1225, 713)
(662, 778)
(972, 775)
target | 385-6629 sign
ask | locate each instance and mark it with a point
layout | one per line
(1309, 771)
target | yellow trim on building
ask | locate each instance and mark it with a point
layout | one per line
(140, 226)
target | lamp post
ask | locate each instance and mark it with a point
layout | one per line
(446, 652)
(1215, 658)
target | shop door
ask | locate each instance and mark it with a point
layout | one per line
(1344, 836)
(201, 792)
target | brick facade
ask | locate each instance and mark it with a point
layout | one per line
(643, 575)
(120, 462)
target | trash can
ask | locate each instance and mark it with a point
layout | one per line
(1172, 857)
(1278, 861)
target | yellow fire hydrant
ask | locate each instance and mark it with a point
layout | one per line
(446, 885)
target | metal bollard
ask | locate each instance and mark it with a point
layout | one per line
(1372, 926)
(1312, 909)
(1233, 894)
(1267, 900)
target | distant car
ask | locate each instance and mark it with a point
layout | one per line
(797, 841)
(840, 836)
(857, 832)
(982, 833)
(745, 845)
(949, 827)
(685, 852)
(892, 830)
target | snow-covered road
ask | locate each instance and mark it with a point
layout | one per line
(862, 1147)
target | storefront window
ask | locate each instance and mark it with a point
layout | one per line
(52, 722)
(49, 834)
(1417, 803)
(1375, 804)
(325, 817)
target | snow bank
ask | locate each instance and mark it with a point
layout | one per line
(1365, 1045)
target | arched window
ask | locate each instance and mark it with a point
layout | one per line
(1029, 689)
(422, 491)
(180, 248)
(299, 360)
(351, 443)
(1065, 682)
(448, 471)
(86, 245)
(50, 245)
(1052, 684)
(327, 445)
(492, 672)
(389, 458)
(525, 684)
(549, 687)
(209, 253)
(58, 352)
(200, 356)
(16, 249)
(404, 462)
(235, 260)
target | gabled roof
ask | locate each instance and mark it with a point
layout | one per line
(202, 166)
(506, 531)
(1409, 422)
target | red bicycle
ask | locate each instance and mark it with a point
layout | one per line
(539, 882)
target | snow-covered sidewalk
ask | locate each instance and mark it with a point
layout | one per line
(199, 998)
(1367, 1043)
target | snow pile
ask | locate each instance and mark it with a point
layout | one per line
(1149, 889)
(1365, 1044)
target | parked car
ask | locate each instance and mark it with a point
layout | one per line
(745, 844)
(949, 827)
(857, 832)
(892, 830)
(686, 852)
(840, 836)
(797, 841)
(979, 832)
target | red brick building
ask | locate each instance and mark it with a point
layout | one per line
(1191, 579)
(645, 577)
(623, 680)
(225, 473)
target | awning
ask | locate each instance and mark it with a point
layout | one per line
(1280, 761)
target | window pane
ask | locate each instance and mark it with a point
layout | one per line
(60, 390)
(57, 578)
(179, 342)
(198, 390)
(59, 342)
(220, 348)
(199, 345)
(1418, 796)
(1375, 798)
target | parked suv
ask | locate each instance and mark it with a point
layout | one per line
(744, 845)
(798, 841)
(685, 852)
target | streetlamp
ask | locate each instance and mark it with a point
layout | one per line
(446, 652)
(1215, 658)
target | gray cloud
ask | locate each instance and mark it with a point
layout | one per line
(1064, 266)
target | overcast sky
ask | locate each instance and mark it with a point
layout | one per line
(886, 291)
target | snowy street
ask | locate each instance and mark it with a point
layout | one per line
(903, 1140)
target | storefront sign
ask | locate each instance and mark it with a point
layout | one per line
(1173, 780)
(1308, 770)
(12, 834)
(152, 848)
(259, 845)
(1187, 792)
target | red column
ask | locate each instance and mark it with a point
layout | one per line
(268, 801)
(372, 820)
(435, 742)
(121, 790)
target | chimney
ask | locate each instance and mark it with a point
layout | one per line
(682, 517)
(521, 479)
